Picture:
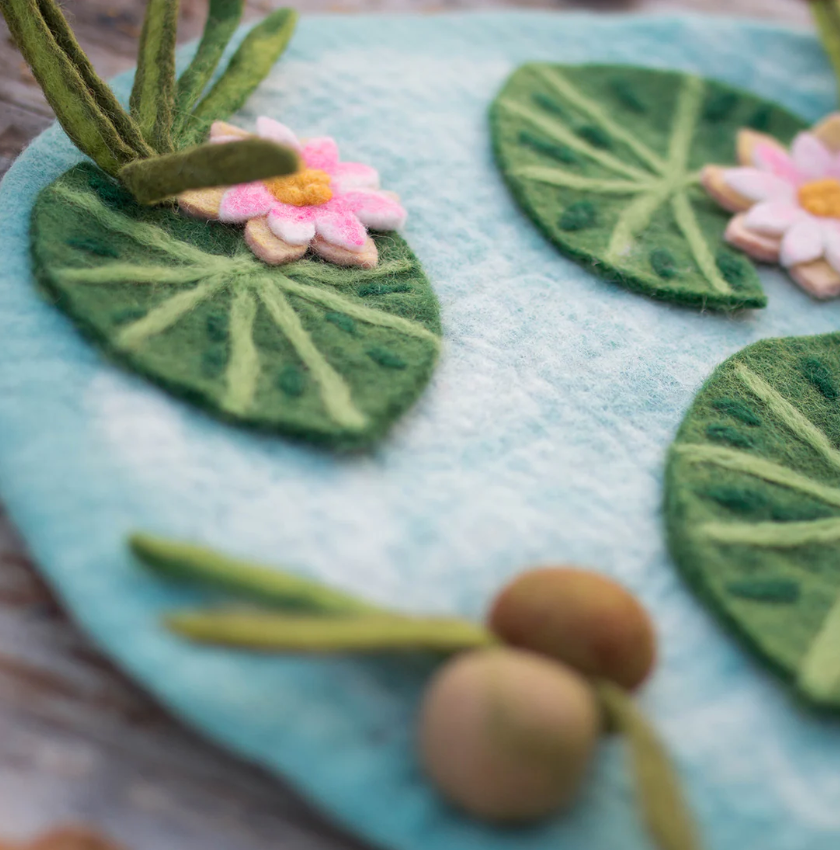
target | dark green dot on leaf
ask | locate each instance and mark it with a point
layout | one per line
(93, 246)
(549, 104)
(596, 136)
(819, 375)
(663, 263)
(627, 96)
(376, 288)
(781, 590)
(739, 499)
(386, 358)
(733, 268)
(719, 105)
(213, 361)
(292, 381)
(760, 119)
(579, 216)
(562, 153)
(737, 409)
(217, 326)
(341, 321)
(127, 314)
(728, 434)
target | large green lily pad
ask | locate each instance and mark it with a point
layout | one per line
(605, 159)
(333, 355)
(753, 504)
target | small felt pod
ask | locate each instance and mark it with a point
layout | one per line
(333, 346)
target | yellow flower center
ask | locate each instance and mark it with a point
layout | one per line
(821, 197)
(307, 188)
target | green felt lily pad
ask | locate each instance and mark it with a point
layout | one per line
(753, 504)
(330, 354)
(606, 160)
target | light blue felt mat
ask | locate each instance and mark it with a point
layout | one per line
(541, 438)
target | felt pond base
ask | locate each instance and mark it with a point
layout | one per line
(541, 438)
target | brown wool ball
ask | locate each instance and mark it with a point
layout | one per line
(584, 619)
(507, 735)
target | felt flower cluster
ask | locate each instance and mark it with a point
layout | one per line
(787, 203)
(326, 207)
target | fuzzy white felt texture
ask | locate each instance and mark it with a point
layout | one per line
(541, 439)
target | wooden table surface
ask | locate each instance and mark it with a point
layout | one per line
(77, 741)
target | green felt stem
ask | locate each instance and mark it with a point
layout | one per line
(157, 178)
(827, 18)
(663, 806)
(223, 17)
(819, 673)
(186, 562)
(153, 95)
(84, 120)
(247, 68)
(278, 633)
(105, 98)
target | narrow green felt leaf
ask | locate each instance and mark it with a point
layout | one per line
(606, 159)
(250, 64)
(152, 180)
(153, 95)
(186, 303)
(80, 113)
(753, 504)
(223, 17)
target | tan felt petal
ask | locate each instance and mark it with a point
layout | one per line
(268, 247)
(367, 258)
(828, 131)
(712, 179)
(759, 246)
(222, 128)
(72, 838)
(748, 139)
(818, 279)
(201, 203)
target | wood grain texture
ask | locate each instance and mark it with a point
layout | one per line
(77, 741)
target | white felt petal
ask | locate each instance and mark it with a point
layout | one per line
(290, 226)
(810, 156)
(274, 131)
(803, 243)
(758, 185)
(774, 217)
(831, 253)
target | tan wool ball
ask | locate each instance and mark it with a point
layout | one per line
(507, 735)
(584, 619)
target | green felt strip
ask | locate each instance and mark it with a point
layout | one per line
(153, 95)
(250, 64)
(657, 784)
(609, 173)
(278, 633)
(105, 98)
(161, 177)
(826, 15)
(223, 17)
(186, 303)
(89, 127)
(267, 586)
(753, 505)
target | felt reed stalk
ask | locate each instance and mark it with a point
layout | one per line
(826, 15)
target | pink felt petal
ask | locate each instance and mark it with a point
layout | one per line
(774, 217)
(810, 156)
(274, 131)
(375, 210)
(354, 175)
(321, 153)
(775, 160)
(803, 243)
(763, 248)
(758, 185)
(832, 248)
(247, 200)
(337, 224)
(712, 179)
(295, 225)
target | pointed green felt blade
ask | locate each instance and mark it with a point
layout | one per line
(605, 160)
(753, 505)
(330, 354)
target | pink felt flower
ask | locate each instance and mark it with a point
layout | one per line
(328, 206)
(787, 203)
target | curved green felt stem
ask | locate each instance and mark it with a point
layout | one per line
(278, 633)
(265, 585)
(663, 806)
(82, 116)
(223, 17)
(153, 95)
(827, 18)
(247, 68)
(155, 179)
